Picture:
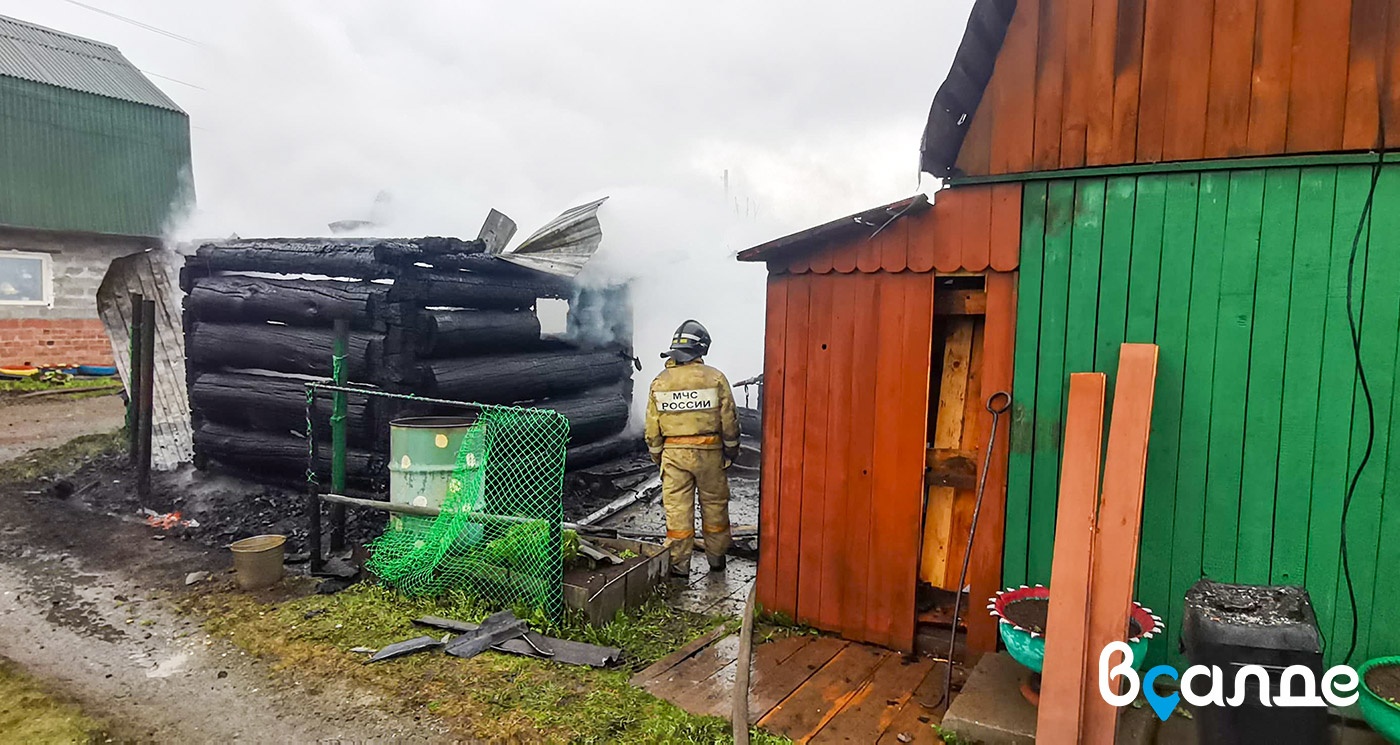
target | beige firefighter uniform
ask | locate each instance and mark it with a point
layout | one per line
(692, 430)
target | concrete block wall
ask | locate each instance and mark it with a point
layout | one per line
(69, 331)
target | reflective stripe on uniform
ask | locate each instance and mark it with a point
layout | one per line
(654, 450)
(731, 443)
(680, 534)
(693, 440)
(709, 530)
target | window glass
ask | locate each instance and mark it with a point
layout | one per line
(23, 278)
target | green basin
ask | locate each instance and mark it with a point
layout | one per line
(1030, 650)
(1382, 715)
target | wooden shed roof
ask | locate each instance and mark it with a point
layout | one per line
(1081, 83)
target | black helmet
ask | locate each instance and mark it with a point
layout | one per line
(690, 341)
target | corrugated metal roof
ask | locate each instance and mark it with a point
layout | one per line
(861, 222)
(42, 55)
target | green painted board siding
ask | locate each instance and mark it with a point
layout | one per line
(1259, 421)
(78, 161)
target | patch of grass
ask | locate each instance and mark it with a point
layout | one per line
(492, 696)
(30, 714)
(33, 384)
(62, 460)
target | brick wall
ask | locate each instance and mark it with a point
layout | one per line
(58, 341)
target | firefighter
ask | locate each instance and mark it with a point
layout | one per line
(692, 431)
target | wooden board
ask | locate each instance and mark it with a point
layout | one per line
(1157, 41)
(812, 549)
(860, 455)
(1049, 84)
(869, 712)
(1231, 71)
(1127, 84)
(793, 446)
(817, 701)
(998, 349)
(965, 498)
(845, 361)
(1268, 342)
(914, 721)
(1273, 63)
(947, 435)
(774, 365)
(1025, 350)
(1366, 65)
(1115, 552)
(1065, 675)
(1316, 100)
(1103, 49)
(1190, 80)
(777, 673)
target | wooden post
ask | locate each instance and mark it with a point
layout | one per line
(338, 405)
(133, 383)
(1115, 556)
(1062, 690)
(146, 411)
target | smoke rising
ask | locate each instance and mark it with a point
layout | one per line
(303, 111)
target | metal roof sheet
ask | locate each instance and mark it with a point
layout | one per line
(42, 55)
(862, 222)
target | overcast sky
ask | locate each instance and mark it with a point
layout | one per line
(306, 109)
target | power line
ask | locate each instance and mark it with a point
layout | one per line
(173, 80)
(138, 24)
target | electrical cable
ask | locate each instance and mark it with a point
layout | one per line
(1354, 324)
(173, 80)
(138, 24)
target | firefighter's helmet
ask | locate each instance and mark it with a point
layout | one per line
(689, 342)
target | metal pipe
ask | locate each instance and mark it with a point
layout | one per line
(338, 406)
(417, 511)
(146, 411)
(313, 488)
(133, 383)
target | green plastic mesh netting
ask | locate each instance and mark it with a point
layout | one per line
(498, 535)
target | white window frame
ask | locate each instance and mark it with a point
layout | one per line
(46, 268)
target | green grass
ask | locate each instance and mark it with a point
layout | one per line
(492, 696)
(29, 714)
(62, 460)
(88, 386)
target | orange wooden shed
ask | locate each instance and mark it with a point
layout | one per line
(860, 312)
(1186, 174)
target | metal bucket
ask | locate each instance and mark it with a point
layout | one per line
(422, 457)
(257, 561)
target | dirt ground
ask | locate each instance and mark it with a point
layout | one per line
(88, 605)
(43, 422)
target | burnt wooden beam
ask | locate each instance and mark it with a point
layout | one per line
(323, 256)
(445, 333)
(290, 349)
(260, 452)
(504, 378)
(268, 403)
(469, 290)
(601, 451)
(296, 302)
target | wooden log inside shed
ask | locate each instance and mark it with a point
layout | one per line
(503, 378)
(947, 435)
(289, 349)
(593, 414)
(235, 299)
(271, 403)
(446, 333)
(270, 453)
(331, 258)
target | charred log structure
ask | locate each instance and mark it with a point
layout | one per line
(432, 316)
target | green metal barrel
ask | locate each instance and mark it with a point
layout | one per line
(423, 455)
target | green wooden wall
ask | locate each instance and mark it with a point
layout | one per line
(1241, 278)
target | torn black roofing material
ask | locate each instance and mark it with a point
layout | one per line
(958, 97)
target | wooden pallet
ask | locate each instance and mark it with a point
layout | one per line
(815, 689)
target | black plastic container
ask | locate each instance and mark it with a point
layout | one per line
(1230, 626)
